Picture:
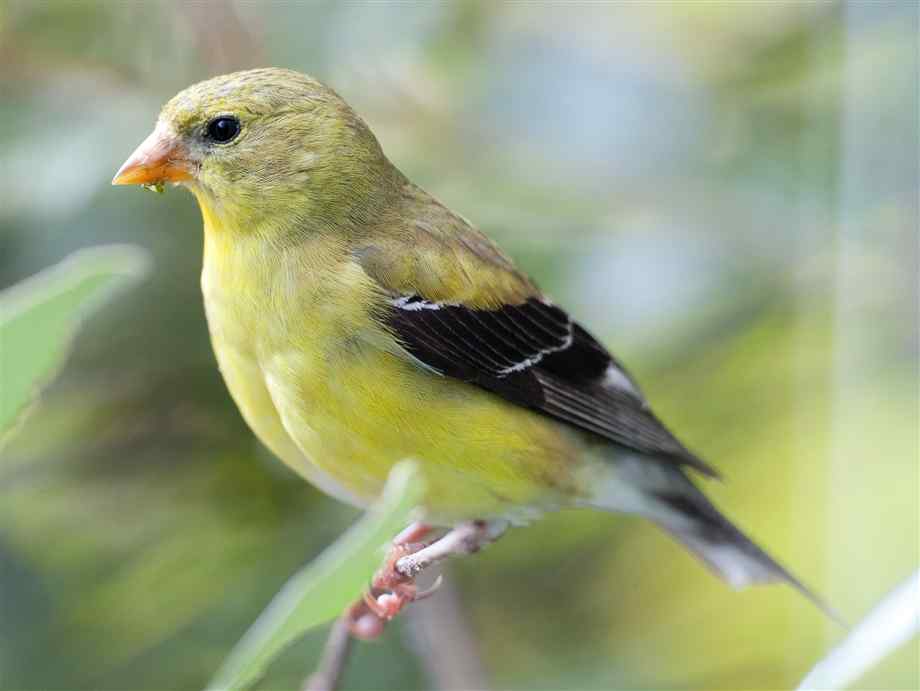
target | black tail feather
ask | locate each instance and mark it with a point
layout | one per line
(693, 520)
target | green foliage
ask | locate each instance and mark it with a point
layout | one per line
(326, 587)
(38, 318)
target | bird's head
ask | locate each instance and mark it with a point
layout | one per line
(273, 146)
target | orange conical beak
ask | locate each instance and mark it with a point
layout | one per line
(161, 157)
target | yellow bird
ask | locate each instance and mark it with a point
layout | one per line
(357, 321)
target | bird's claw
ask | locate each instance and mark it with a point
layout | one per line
(390, 590)
(389, 576)
(388, 604)
(393, 586)
(430, 590)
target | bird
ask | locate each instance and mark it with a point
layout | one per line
(357, 321)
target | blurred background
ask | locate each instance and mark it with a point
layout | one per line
(726, 192)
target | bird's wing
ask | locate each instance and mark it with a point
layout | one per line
(534, 355)
(459, 307)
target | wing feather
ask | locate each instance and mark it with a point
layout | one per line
(534, 355)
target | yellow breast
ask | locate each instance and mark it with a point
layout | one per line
(323, 386)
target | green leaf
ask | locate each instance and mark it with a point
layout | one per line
(39, 317)
(322, 590)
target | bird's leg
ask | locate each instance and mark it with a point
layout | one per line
(414, 532)
(365, 617)
(394, 584)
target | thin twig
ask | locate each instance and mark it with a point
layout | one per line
(445, 645)
(466, 538)
(335, 656)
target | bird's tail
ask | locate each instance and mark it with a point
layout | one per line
(665, 495)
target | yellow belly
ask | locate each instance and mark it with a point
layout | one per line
(343, 430)
(328, 394)
(480, 456)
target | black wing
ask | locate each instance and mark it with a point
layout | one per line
(534, 355)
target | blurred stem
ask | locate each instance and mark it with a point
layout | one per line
(335, 657)
(445, 644)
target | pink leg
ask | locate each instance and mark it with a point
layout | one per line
(414, 532)
(394, 587)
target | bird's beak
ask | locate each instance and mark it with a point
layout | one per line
(160, 158)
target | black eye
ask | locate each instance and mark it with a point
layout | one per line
(223, 129)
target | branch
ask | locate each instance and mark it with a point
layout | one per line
(444, 644)
(335, 657)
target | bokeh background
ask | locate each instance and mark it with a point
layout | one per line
(726, 192)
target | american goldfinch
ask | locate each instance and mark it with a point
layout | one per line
(358, 321)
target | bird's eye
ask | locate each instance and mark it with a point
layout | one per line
(223, 129)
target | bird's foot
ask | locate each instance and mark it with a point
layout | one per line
(390, 592)
(394, 586)
(392, 589)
